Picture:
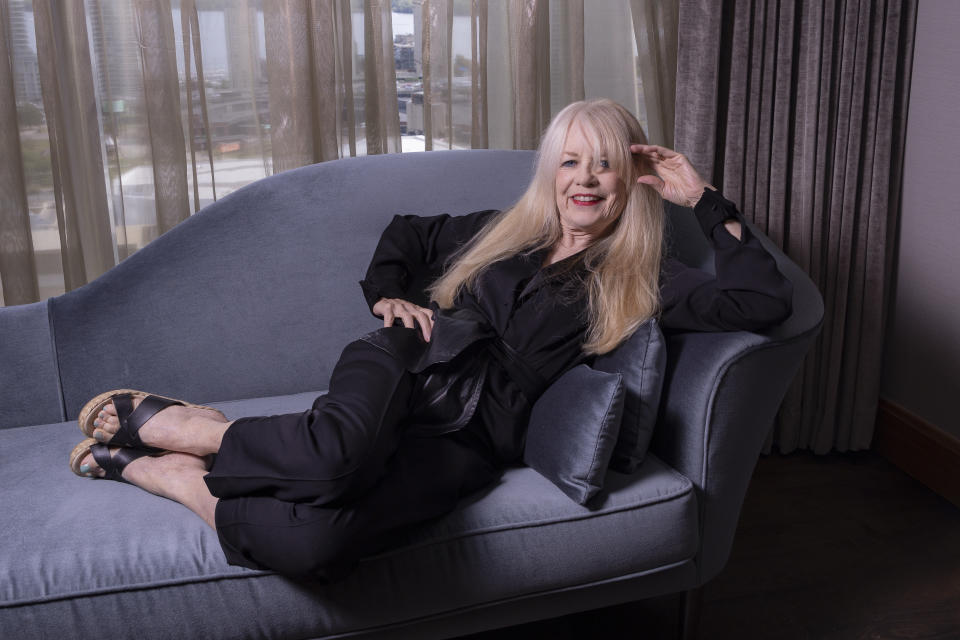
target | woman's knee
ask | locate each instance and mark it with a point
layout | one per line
(297, 540)
(342, 440)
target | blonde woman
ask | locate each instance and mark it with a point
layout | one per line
(480, 312)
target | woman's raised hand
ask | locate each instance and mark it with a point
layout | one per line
(676, 179)
(410, 314)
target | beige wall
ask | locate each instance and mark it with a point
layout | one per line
(921, 369)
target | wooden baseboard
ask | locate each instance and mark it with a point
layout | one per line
(927, 453)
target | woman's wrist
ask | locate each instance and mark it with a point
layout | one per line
(699, 194)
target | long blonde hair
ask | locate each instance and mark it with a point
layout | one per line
(623, 267)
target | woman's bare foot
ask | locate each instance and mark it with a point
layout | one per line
(177, 476)
(177, 428)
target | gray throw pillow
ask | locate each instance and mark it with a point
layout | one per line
(642, 360)
(573, 429)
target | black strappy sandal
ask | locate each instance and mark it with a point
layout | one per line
(130, 419)
(112, 465)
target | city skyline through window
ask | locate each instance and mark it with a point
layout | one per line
(226, 117)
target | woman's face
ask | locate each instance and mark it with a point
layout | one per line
(590, 194)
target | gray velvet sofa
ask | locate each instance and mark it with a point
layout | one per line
(246, 305)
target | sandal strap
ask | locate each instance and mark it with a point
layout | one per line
(131, 420)
(113, 465)
(123, 403)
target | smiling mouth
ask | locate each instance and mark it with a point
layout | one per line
(585, 199)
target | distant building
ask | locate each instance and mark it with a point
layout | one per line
(116, 54)
(403, 53)
(26, 73)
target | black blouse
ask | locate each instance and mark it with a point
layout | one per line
(539, 312)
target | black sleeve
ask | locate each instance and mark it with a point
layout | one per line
(748, 291)
(413, 252)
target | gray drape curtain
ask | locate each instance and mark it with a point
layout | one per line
(796, 110)
(127, 130)
(17, 270)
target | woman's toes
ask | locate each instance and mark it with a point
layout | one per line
(90, 467)
(108, 410)
(105, 431)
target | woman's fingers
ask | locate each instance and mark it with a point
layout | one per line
(409, 314)
(675, 180)
(653, 152)
(425, 320)
(384, 309)
(654, 181)
(407, 319)
(414, 315)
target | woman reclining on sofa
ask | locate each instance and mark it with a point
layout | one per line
(419, 415)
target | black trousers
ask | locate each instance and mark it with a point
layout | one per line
(311, 493)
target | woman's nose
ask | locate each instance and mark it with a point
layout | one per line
(585, 174)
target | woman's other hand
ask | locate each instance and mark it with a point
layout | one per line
(410, 314)
(676, 179)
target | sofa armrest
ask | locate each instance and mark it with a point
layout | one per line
(721, 394)
(29, 380)
(720, 398)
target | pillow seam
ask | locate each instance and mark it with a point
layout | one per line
(630, 451)
(643, 387)
(606, 413)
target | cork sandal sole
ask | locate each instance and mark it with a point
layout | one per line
(92, 409)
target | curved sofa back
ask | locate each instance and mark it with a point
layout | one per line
(257, 293)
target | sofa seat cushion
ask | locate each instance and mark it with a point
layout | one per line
(71, 544)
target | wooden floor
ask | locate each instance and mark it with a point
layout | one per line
(844, 547)
(840, 546)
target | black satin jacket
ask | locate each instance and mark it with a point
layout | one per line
(524, 325)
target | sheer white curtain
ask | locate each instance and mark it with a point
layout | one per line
(120, 118)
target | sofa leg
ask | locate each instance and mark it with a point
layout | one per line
(689, 614)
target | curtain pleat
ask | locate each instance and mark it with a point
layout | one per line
(808, 138)
(567, 52)
(655, 31)
(325, 97)
(345, 74)
(162, 90)
(18, 271)
(111, 130)
(448, 39)
(455, 86)
(287, 36)
(529, 33)
(575, 43)
(437, 85)
(190, 28)
(70, 106)
(479, 131)
(253, 63)
(426, 55)
(380, 79)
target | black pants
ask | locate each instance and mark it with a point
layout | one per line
(310, 493)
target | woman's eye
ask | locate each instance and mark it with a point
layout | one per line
(605, 164)
(568, 163)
